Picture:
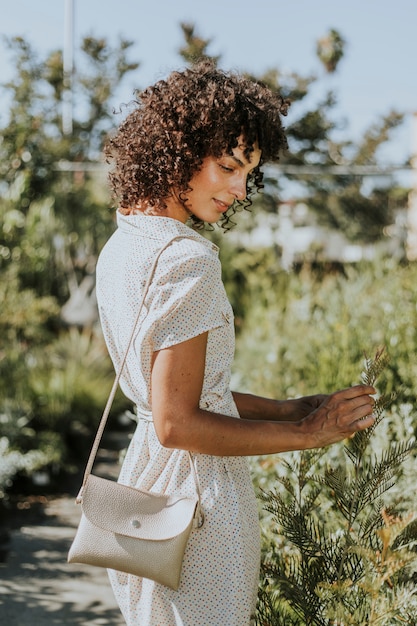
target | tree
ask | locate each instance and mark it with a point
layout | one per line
(330, 49)
(195, 48)
(340, 202)
(54, 218)
(343, 201)
(54, 215)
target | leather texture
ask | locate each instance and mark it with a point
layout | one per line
(133, 531)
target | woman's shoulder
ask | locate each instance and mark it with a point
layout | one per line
(189, 255)
(193, 245)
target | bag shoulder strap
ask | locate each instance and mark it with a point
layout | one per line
(104, 417)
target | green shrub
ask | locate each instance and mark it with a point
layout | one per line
(307, 334)
(51, 419)
(340, 531)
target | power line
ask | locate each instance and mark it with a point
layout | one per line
(340, 170)
(300, 170)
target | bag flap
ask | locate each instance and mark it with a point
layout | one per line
(134, 513)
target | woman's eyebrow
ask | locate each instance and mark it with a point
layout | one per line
(239, 161)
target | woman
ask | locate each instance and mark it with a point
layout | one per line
(191, 152)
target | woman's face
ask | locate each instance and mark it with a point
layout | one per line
(214, 188)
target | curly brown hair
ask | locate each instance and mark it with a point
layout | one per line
(176, 123)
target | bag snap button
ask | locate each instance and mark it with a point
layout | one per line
(135, 523)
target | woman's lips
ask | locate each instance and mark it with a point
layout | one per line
(222, 206)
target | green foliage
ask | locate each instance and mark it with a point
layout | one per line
(195, 48)
(56, 403)
(24, 317)
(70, 381)
(25, 320)
(346, 204)
(299, 325)
(53, 222)
(13, 462)
(341, 547)
(330, 50)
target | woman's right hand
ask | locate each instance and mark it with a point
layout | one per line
(340, 416)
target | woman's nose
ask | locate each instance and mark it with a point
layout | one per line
(239, 189)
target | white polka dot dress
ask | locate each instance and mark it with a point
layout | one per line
(186, 298)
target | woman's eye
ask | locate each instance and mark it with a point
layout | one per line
(225, 168)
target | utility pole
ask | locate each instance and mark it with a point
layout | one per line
(412, 198)
(67, 113)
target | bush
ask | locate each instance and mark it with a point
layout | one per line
(50, 421)
(339, 540)
(305, 333)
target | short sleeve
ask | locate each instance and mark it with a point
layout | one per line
(187, 298)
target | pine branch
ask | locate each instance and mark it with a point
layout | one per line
(372, 522)
(374, 367)
(373, 478)
(379, 476)
(408, 538)
(357, 572)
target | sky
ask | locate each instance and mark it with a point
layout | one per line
(376, 75)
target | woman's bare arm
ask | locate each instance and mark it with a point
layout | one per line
(177, 380)
(256, 407)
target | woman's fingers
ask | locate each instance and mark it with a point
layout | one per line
(355, 392)
(343, 413)
(353, 403)
(364, 422)
(359, 407)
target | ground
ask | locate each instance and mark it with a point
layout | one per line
(37, 585)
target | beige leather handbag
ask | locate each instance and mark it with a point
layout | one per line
(123, 528)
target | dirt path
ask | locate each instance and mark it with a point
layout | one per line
(37, 585)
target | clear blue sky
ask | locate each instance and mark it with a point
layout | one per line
(377, 74)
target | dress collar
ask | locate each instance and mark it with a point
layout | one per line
(159, 228)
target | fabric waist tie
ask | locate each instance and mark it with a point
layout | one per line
(142, 414)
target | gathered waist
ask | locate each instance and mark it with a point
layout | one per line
(143, 414)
